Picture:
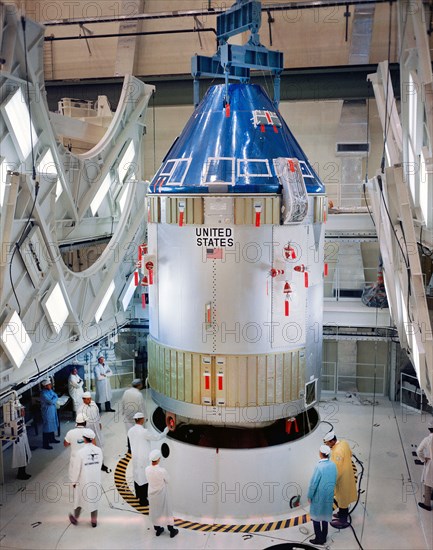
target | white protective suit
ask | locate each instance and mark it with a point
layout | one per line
(160, 510)
(425, 453)
(139, 440)
(21, 453)
(93, 421)
(75, 390)
(86, 474)
(103, 387)
(132, 402)
(76, 442)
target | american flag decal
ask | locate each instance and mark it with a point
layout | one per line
(214, 253)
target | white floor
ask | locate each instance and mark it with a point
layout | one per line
(34, 514)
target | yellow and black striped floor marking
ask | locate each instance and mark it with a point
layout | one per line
(129, 497)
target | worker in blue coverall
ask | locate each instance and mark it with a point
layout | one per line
(321, 495)
(50, 420)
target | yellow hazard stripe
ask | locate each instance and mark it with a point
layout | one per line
(129, 497)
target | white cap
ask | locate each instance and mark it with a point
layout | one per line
(86, 394)
(329, 436)
(155, 455)
(81, 419)
(325, 450)
(101, 356)
(46, 382)
(138, 415)
(88, 434)
(430, 425)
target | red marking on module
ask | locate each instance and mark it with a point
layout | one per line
(149, 267)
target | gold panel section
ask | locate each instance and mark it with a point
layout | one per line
(173, 210)
(261, 380)
(167, 371)
(270, 379)
(165, 206)
(267, 218)
(198, 206)
(244, 212)
(173, 374)
(248, 380)
(188, 377)
(287, 368)
(232, 376)
(251, 380)
(242, 381)
(189, 212)
(196, 377)
(180, 376)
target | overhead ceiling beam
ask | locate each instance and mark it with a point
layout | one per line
(296, 85)
(209, 11)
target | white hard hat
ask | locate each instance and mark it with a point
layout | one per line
(86, 394)
(46, 382)
(325, 450)
(88, 434)
(155, 455)
(138, 415)
(81, 419)
(329, 436)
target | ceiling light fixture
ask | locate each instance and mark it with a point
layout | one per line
(14, 339)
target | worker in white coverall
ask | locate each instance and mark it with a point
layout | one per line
(103, 387)
(86, 479)
(21, 453)
(75, 388)
(90, 411)
(160, 511)
(139, 439)
(74, 439)
(425, 453)
(133, 402)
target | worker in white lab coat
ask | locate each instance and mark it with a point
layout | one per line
(90, 411)
(21, 453)
(103, 374)
(139, 439)
(91, 414)
(160, 511)
(86, 479)
(425, 453)
(75, 388)
(133, 402)
(74, 439)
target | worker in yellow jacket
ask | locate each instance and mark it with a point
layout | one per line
(345, 488)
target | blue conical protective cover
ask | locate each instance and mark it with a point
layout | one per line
(231, 149)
